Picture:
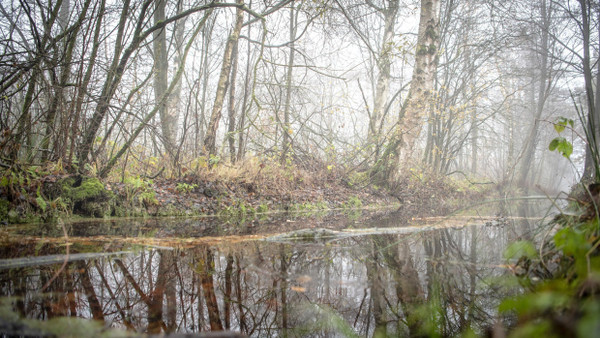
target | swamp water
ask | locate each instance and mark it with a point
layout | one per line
(346, 276)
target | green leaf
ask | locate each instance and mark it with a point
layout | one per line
(562, 123)
(566, 149)
(554, 144)
(571, 242)
(561, 145)
(559, 127)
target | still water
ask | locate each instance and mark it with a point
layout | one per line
(367, 275)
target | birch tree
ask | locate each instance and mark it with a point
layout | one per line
(420, 94)
(215, 117)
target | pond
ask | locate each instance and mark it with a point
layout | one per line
(349, 275)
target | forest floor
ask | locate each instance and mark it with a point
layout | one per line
(39, 195)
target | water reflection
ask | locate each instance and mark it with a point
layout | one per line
(361, 285)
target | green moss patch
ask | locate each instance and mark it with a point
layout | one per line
(90, 188)
(88, 196)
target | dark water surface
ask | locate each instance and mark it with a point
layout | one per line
(369, 275)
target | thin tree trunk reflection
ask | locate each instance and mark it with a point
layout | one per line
(156, 298)
(240, 296)
(283, 290)
(206, 277)
(376, 278)
(170, 288)
(227, 296)
(398, 257)
(155, 323)
(472, 271)
(70, 291)
(90, 293)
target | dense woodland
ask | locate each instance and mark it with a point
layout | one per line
(262, 112)
(469, 87)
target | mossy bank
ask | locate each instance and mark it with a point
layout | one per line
(35, 195)
(48, 198)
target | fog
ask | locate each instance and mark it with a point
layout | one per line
(459, 87)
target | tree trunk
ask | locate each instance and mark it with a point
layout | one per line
(419, 95)
(113, 78)
(203, 79)
(121, 60)
(231, 125)
(244, 110)
(421, 88)
(111, 163)
(86, 80)
(213, 125)
(543, 88)
(285, 145)
(382, 88)
(592, 157)
(58, 84)
(161, 68)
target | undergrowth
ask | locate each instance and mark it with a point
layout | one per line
(214, 186)
(561, 281)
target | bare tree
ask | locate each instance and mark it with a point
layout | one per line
(211, 133)
(285, 146)
(544, 81)
(168, 117)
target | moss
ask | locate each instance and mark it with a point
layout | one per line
(90, 188)
(88, 196)
(4, 208)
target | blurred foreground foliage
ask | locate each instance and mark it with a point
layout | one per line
(561, 280)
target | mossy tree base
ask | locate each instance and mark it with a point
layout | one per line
(86, 196)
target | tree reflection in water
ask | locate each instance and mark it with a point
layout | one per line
(382, 285)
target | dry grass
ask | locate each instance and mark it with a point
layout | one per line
(261, 172)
